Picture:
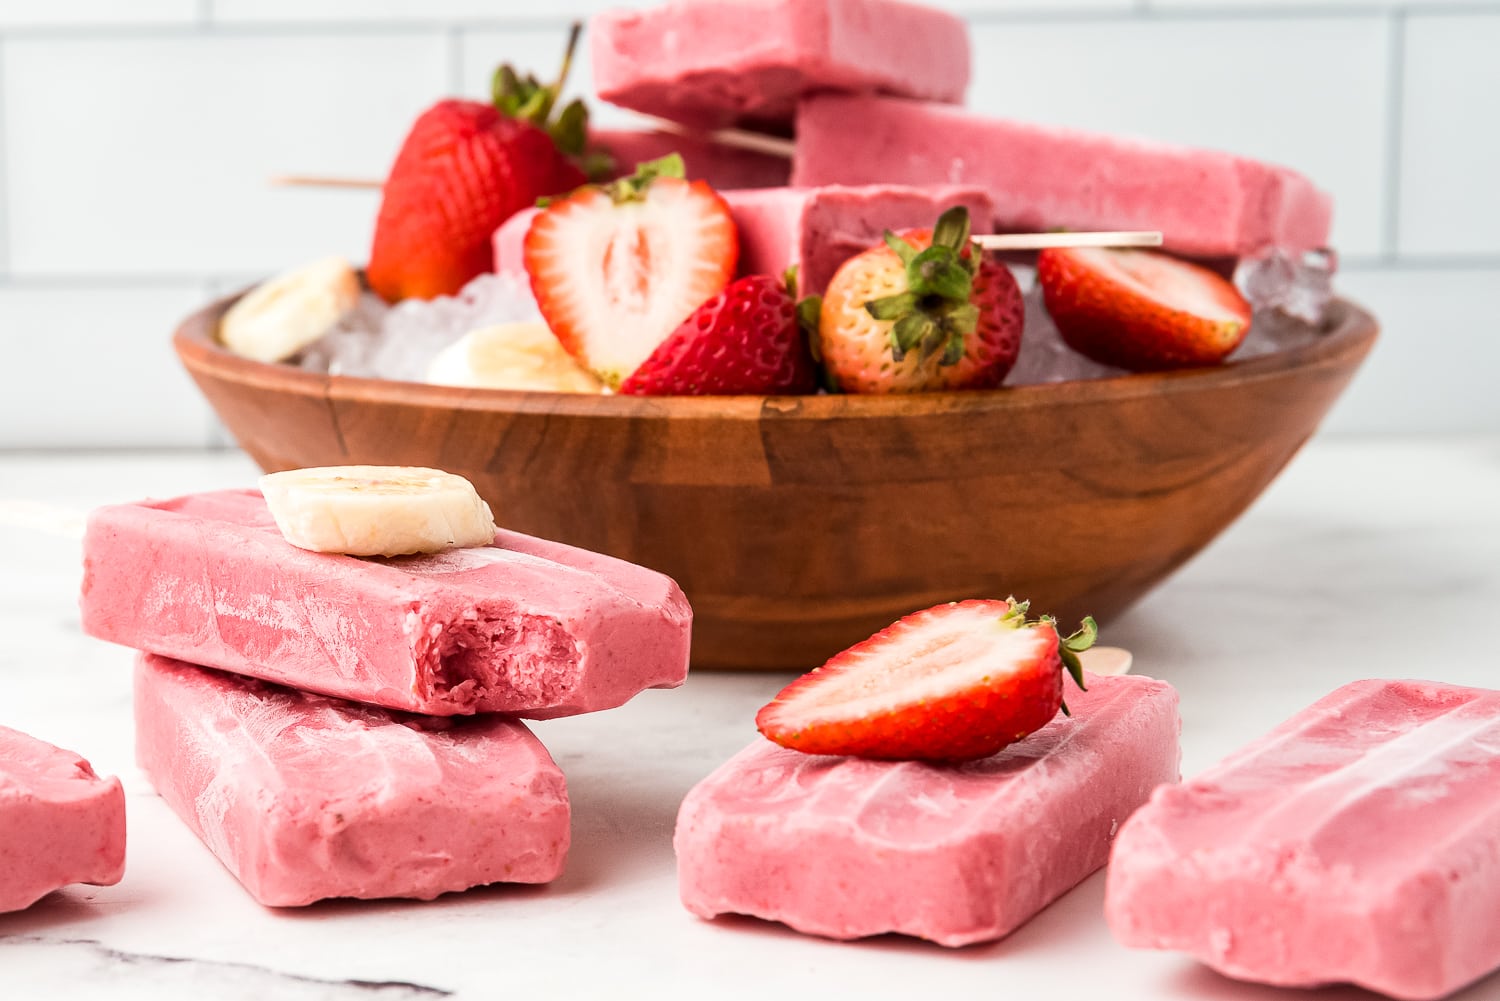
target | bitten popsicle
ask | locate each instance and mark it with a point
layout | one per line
(1205, 203)
(715, 64)
(59, 822)
(1358, 842)
(303, 797)
(524, 626)
(845, 847)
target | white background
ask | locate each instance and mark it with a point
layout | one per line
(136, 138)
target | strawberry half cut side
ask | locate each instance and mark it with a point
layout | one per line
(1141, 310)
(616, 269)
(954, 682)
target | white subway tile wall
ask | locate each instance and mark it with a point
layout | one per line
(136, 139)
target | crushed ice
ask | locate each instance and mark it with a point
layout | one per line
(399, 342)
(1290, 297)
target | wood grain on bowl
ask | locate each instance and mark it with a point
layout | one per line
(798, 525)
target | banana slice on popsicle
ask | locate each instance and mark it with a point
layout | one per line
(377, 510)
(283, 315)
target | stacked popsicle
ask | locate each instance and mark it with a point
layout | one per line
(870, 90)
(328, 685)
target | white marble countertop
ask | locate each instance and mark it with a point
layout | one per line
(1368, 558)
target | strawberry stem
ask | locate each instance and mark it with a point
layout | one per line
(934, 315)
(528, 100)
(1067, 649)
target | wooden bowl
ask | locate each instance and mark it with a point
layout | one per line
(798, 525)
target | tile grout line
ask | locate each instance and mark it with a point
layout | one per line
(1395, 126)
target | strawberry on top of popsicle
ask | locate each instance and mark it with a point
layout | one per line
(463, 169)
(954, 682)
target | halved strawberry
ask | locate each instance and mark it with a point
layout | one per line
(744, 340)
(951, 683)
(1141, 310)
(616, 269)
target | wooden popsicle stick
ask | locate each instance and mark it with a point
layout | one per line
(310, 181)
(1106, 660)
(1041, 241)
(754, 142)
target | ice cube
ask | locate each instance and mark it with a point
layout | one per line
(1301, 287)
(1045, 356)
(399, 342)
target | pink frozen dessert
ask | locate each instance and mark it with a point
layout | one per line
(59, 822)
(1357, 842)
(525, 626)
(817, 229)
(716, 164)
(714, 64)
(1205, 203)
(846, 847)
(303, 797)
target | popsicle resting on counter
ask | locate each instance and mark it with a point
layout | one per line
(846, 847)
(1357, 842)
(59, 822)
(304, 797)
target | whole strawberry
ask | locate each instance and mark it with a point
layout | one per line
(925, 311)
(951, 683)
(1141, 310)
(465, 168)
(744, 340)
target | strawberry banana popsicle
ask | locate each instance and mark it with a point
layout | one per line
(523, 626)
(888, 808)
(59, 822)
(1357, 842)
(714, 64)
(1205, 203)
(303, 797)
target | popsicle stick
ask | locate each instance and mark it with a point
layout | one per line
(1041, 241)
(1106, 660)
(311, 181)
(754, 142)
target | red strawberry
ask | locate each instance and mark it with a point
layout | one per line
(615, 270)
(1141, 310)
(465, 168)
(743, 340)
(922, 312)
(953, 683)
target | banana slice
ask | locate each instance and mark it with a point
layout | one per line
(377, 510)
(283, 315)
(512, 356)
(1106, 660)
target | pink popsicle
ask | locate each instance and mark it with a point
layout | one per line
(526, 626)
(844, 847)
(303, 797)
(59, 822)
(816, 229)
(1205, 203)
(1359, 841)
(722, 167)
(714, 64)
